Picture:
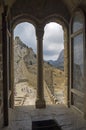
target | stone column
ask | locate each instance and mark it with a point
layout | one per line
(66, 89)
(84, 98)
(40, 102)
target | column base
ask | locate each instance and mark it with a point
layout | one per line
(40, 103)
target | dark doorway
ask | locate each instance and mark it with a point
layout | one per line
(45, 125)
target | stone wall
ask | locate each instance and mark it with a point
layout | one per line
(48, 76)
(1, 79)
(66, 65)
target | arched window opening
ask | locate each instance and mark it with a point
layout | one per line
(53, 54)
(25, 64)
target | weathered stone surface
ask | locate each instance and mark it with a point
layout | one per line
(21, 117)
(24, 57)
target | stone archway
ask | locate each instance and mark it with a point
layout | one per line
(14, 23)
(37, 14)
(39, 26)
(60, 20)
(25, 64)
(40, 102)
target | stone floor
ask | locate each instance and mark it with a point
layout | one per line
(21, 117)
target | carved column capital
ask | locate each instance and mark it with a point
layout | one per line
(39, 32)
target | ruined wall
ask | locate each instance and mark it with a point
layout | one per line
(48, 76)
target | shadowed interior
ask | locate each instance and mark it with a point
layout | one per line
(45, 125)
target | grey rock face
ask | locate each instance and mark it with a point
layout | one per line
(59, 63)
(23, 57)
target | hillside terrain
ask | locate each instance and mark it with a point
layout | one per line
(59, 63)
(25, 74)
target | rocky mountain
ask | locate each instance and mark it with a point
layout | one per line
(25, 62)
(59, 63)
(60, 60)
(25, 71)
(23, 57)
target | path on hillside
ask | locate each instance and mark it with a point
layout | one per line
(26, 95)
(46, 95)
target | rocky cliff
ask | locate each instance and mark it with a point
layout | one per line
(60, 60)
(59, 63)
(23, 56)
(25, 70)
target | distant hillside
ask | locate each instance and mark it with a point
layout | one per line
(59, 63)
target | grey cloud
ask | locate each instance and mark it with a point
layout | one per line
(55, 38)
(54, 34)
(52, 43)
(50, 53)
(26, 32)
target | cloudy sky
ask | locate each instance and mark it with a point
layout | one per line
(52, 40)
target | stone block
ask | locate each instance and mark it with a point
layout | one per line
(0, 50)
(1, 84)
(1, 67)
(0, 58)
(0, 75)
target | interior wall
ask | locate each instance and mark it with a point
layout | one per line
(17, 11)
(1, 73)
(40, 10)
